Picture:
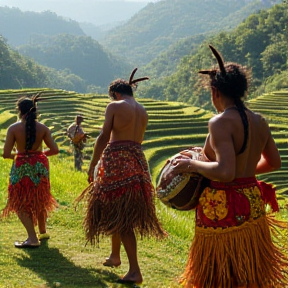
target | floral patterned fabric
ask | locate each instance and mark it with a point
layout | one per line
(231, 204)
(232, 246)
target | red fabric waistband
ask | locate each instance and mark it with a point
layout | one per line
(235, 183)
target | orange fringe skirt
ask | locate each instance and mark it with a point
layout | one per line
(29, 186)
(122, 196)
(252, 254)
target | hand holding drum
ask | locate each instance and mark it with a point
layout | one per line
(181, 191)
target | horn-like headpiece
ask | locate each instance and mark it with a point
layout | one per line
(36, 98)
(220, 63)
(131, 81)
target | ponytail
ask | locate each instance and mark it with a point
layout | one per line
(28, 106)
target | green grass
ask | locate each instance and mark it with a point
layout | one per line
(64, 258)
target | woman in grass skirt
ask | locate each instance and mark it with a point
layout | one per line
(233, 245)
(29, 186)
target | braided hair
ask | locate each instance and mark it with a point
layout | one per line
(27, 106)
(231, 79)
(123, 86)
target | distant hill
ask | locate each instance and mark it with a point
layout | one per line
(81, 55)
(19, 27)
(153, 29)
(260, 43)
(166, 62)
(18, 72)
(61, 44)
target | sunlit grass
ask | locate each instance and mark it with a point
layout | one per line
(65, 258)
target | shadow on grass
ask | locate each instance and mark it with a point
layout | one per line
(51, 266)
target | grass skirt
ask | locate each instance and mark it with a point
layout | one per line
(29, 186)
(250, 255)
(122, 196)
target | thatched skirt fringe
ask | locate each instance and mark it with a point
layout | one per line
(30, 199)
(29, 186)
(131, 211)
(238, 257)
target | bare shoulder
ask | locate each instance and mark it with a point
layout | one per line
(42, 126)
(14, 125)
(141, 105)
(258, 118)
(17, 126)
(217, 120)
(112, 105)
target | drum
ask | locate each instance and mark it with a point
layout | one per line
(181, 191)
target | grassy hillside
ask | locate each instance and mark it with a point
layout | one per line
(259, 42)
(64, 259)
(79, 55)
(172, 125)
(153, 29)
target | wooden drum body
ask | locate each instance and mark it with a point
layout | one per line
(181, 191)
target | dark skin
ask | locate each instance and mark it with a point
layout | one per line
(125, 119)
(16, 138)
(224, 141)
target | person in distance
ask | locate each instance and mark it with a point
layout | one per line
(78, 139)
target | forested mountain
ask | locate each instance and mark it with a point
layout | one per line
(84, 65)
(260, 42)
(82, 55)
(154, 28)
(17, 72)
(61, 44)
(18, 27)
(166, 62)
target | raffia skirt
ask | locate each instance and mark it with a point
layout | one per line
(29, 186)
(121, 198)
(236, 245)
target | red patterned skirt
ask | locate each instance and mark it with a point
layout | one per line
(121, 198)
(233, 245)
(29, 186)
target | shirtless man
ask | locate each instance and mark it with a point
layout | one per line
(123, 198)
(29, 195)
(232, 246)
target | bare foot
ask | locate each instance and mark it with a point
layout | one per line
(110, 262)
(135, 277)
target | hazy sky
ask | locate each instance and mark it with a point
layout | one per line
(98, 12)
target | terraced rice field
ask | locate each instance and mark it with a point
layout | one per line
(172, 127)
(274, 106)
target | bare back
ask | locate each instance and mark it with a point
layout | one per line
(16, 137)
(129, 120)
(259, 140)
